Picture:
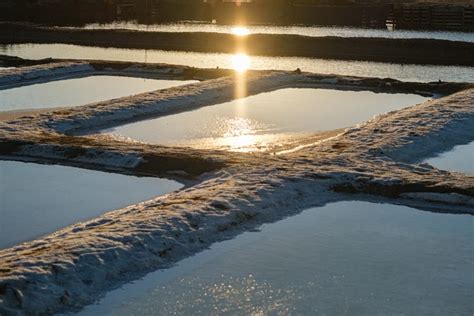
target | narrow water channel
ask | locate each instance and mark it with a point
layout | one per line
(312, 31)
(213, 60)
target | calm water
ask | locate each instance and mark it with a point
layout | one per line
(347, 258)
(39, 199)
(80, 91)
(245, 124)
(460, 159)
(212, 60)
(313, 31)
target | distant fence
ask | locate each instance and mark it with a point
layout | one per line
(433, 17)
(416, 16)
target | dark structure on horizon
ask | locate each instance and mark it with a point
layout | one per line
(416, 14)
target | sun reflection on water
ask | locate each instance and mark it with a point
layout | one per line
(241, 62)
(239, 133)
(240, 126)
(240, 31)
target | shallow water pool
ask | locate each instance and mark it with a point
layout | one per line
(460, 159)
(39, 199)
(79, 91)
(346, 258)
(313, 31)
(259, 122)
(213, 60)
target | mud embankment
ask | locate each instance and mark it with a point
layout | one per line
(410, 51)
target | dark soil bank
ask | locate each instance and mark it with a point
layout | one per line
(414, 51)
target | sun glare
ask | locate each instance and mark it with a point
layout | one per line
(240, 62)
(240, 31)
(240, 134)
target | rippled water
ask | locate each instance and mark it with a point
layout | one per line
(313, 31)
(212, 60)
(79, 91)
(266, 120)
(346, 258)
(460, 159)
(39, 199)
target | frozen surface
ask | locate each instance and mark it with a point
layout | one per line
(259, 122)
(460, 158)
(313, 31)
(79, 91)
(347, 258)
(39, 199)
(212, 60)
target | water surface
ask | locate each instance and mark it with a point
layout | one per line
(313, 31)
(261, 121)
(212, 60)
(79, 91)
(347, 258)
(39, 199)
(460, 159)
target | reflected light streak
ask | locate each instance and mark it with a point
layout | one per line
(243, 143)
(239, 127)
(241, 62)
(240, 134)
